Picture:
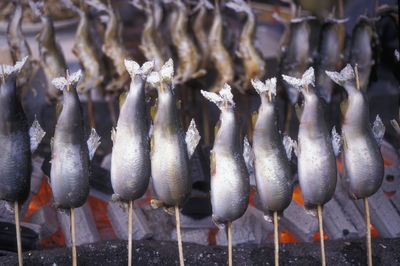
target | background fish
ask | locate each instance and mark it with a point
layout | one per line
(130, 161)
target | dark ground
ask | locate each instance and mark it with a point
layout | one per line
(385, 252)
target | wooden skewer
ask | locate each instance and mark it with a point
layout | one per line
(130, 207)
(179, 235)
(368, 225)
(357, 78)
(90, 110)
(73, 245)
(276, 238)
(229, 225)
(321, 235)
(18, 231)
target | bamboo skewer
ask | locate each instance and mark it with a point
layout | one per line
(90, 110)
(368, 225)
(72, 228)
(179, 235)
(229, 225)
(130, 207)
(321, 235)
(276, 238)
(18, 233)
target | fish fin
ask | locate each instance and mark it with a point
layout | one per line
(192, 138)
(62, 82)
(122, 99)
(343, 106)
(378, 129)
(93, 143)
(36, 134)
(248, 156)
(6, 70)
(134, 68)
(268, 86)
(342, 77)
(337, 141)
(308, 78)
(113, 134)
(290, 146)
(299, 110)
(224, 97)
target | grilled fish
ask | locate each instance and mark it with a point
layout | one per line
(254, 65)
(19, 47)
(316, 159)
(331, 47)
(188, 56)
(130, 161)
(362, 159)
(52, 57)
(70, 152)
(362, 49)
(17, 141)
(296, 56)
(272, 168)
(199, 31)
(170, 154)
(218, 54)
(148, 45)
(230, 187)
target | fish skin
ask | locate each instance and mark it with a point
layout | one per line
(130, 160)
(316, 159)
(70, 155)
(200, 34)
(52, 57)
(329, 57)
(219, 55)
(188, 55)
(296, 56)
(15, 156)
(19, 47)
(272, 168)
(361, 50)
(171, 177)
(362, 159)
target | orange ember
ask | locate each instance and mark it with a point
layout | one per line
(103, 224)
(297, 197)
(286, 237)
(42, 198)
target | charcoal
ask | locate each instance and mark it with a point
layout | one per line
(46, 218)
(198, 236)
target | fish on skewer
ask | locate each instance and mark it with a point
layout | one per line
(218, 53)
(171, 149)
(130, 159)
(199, 32)
(254, 64)
(230, 187)
(271, 155)
(362, 159)
(296, 55)
(316, 159)
(52, 57)
(188, 55)
(17, 142)
(363, 44)
(330, 54)
(19, 47)
(71, 153)
(148, 45)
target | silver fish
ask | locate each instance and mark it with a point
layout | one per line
(52, 57)
(70, 152)
(330, 51)
(297, 54)
(272, 168)
(316, 159)
(362, 159)
(15, 139)
(169, 156)
(130, 159)
(230, 187)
